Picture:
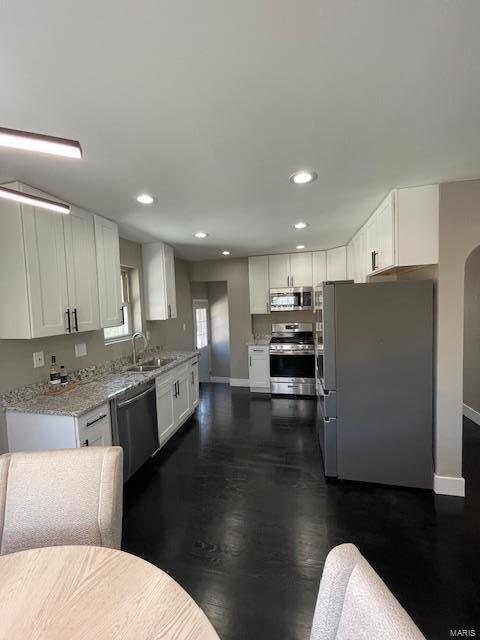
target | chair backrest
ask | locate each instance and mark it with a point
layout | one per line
(62, 497)
(355, 604)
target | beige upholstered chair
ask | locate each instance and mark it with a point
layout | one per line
(71, 496)
(354, 604)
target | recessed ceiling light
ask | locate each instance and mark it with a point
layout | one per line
(300, 246)
(145, 198)
(303, 177)
(225, 253)
(201, 234)
(38, 142)
(34, 201)
(300, 225)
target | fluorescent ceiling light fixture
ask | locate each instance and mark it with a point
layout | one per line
(225, 253)
(303, 177)
(201, 234)
(300, 225)
(145, 198)
(34, 201)
(300, 246)
(40, 143)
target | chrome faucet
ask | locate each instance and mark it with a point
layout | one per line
(134, 351)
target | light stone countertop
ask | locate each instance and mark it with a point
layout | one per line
(95, 391)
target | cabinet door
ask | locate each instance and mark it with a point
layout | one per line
(385, 231)
(371, 243)
(301, 270)
(108, 269)
(279, 271)
(259, 367)
(319, 267)
(337, 264)
(165, 392)
(182, 401)
(83, 299)
(360, 256)
(194, 387)
(170, 288)
(258, 284)
(46, 270)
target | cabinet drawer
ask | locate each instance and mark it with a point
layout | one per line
(94, 428)
(258, 349)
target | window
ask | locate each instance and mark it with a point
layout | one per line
(201, 338)
(126, 328)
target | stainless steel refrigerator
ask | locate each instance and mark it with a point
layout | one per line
(375, 371)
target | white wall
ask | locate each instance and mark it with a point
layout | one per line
(459, 236)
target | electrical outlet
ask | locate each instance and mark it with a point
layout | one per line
(80, 350)
(38, 359)
(148, 335)
(184, 326)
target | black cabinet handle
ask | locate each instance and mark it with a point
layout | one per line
(89, 424)
(76, 319)
(123, 314)
(374, 260)
(85, 443)
(69, 324)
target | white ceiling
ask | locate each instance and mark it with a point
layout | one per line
(211, 105)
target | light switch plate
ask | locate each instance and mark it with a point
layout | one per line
(184, 326)
(148, 335)
(38, 359)
(80, 350)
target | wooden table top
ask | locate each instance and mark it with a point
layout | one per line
(60, 593)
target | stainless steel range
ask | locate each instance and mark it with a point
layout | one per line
(292, 359)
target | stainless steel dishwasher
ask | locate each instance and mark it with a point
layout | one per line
(134, 422)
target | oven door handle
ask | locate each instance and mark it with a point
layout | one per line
(292, 353)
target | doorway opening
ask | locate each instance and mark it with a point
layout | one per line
(471, 338)
(211, 330)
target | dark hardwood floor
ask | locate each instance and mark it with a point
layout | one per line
(236, 509)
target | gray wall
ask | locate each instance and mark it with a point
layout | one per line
(471, 340)
(178, 332)
(235, 273)
(219, 329)
(459, 236)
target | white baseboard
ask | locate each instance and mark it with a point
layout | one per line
(219, 379)
(449, 485)
(473, 414)
(239, 382)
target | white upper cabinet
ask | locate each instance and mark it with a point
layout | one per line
(403, 230)
(258, 284)
(351, 262)
(279, 271)
(319, 259)
(108, 269)
(159, 281)
(337, 263)
(416, 228)
(301, 270)
(48, 265)
(83, 299)
(290, 270)
(44, 245)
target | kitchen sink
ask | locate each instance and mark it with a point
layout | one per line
(142, 368)
(151, 365)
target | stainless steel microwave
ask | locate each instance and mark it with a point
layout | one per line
(291, 299)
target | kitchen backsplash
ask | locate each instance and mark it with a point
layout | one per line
(262, 323)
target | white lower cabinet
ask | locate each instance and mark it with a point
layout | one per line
(38, 432)
(259, 368)
(177, 398)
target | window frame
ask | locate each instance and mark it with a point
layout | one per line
(127, 312)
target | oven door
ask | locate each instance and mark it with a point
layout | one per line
(292, 373)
